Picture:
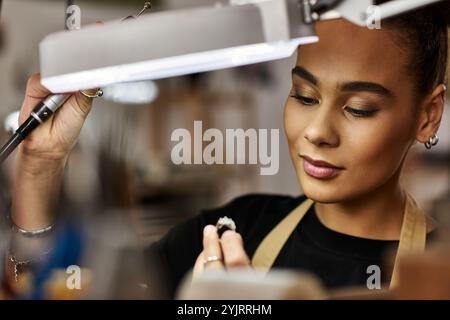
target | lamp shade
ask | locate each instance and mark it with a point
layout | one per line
(172, 43)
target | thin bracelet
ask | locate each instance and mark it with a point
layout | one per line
(26, 233)
(33, 233)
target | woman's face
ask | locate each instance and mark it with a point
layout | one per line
(351, 106)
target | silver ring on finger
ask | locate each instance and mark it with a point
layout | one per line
(211, 259)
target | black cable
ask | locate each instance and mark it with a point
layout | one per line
(9, 147)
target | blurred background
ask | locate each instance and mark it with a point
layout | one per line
(121, 165)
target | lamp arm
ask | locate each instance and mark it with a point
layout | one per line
(362, 12)
(393, 8)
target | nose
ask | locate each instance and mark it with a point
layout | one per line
(322, 129)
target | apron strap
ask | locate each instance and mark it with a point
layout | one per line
(412, 236)
(269, 249)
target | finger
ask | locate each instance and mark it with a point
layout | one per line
(35, 92)
(35, 89)
(199, 265)
(81, 104)
(233, 250)
(211, 247)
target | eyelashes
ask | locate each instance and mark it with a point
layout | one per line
(305, 100)
(357, 113)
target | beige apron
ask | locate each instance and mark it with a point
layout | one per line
(412, 236)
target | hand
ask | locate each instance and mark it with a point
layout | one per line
(42, 155)
(229, 249)
(54, 139)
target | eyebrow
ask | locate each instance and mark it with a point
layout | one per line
(358, 86)
(305, 74)
(367, 87)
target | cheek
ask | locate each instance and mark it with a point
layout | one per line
(378, 146)
(293, 123)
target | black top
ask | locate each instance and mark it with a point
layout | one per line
(337, 259)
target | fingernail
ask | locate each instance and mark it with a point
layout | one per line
(209, 229)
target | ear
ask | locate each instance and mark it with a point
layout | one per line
(430, 114)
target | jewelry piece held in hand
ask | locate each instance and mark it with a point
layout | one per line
(211, 259)
(224, 224)
(97, 94)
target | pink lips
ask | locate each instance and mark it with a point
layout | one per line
(319, 169)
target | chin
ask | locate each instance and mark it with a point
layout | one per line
(323, 191)
(321, 197)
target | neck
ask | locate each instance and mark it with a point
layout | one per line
(375, 215)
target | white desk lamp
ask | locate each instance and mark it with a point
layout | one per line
(174, 43)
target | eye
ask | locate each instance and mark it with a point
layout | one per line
(358, 113)
(305, 100)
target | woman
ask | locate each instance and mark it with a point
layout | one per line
(360, 100)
